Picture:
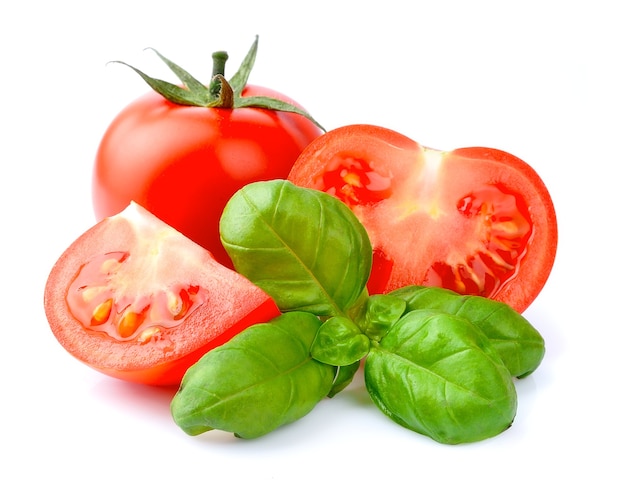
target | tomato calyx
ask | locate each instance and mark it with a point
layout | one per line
(220, 92)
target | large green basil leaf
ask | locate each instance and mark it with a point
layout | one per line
(519, 344)
(261, 379)
(304, 247)
(438, 375)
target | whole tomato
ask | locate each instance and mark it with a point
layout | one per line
(182, 151)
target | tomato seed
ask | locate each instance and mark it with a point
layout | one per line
(148, 334)
(102, 312)
(129, 323)
(179, 304)
(351, 178)
(111, 265)
(89, 293)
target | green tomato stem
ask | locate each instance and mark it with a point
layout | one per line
(219, 63)
(219, 88)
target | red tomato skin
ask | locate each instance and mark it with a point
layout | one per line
(233, 305)
(415, 217)
(183, 163)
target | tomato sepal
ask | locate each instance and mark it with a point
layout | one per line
(219, 93)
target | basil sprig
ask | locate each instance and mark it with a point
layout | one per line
(436, 362)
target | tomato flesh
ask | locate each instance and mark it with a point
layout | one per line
(477, 221)
(137, 300)
(100, 298)
(502, 227)
(355, 182)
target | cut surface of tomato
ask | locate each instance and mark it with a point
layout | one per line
(478, 221)
(135, 299)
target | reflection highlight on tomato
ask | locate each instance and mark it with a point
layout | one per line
(478, 221)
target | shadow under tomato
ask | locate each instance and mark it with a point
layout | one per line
(153, 401)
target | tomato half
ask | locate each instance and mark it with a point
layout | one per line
(183, 163)
(477, 220)
(137, 300)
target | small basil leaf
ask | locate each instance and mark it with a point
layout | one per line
(382, 311)
(339, 342)
(438, 375)
(304, 247)
(519, 344)
(261, 379)
(345, 375)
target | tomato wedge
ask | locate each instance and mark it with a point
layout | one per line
(135, 299)
(475, 220)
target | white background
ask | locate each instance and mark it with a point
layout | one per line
(542, 79)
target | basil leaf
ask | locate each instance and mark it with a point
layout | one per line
(304, 247)
(381, 312)
(519, 344)
(339, 342)
(438, 375)
(263, 378)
